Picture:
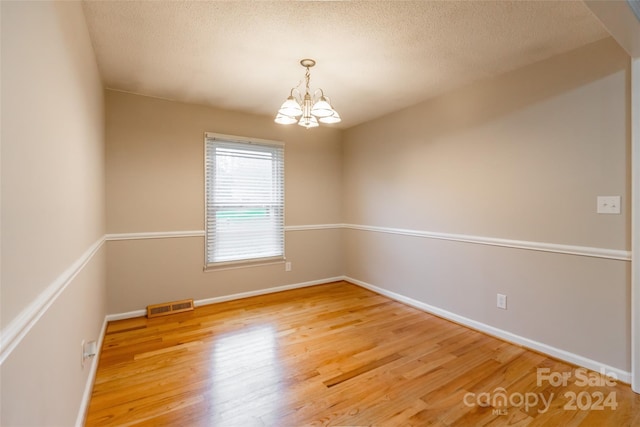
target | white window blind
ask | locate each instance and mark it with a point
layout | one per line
(244, 200)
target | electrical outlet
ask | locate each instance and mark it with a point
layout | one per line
(287, 266)
(89, 350)
(502, 301)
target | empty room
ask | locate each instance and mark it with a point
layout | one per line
(296, 213)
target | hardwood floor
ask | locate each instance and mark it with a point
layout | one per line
(336, 355)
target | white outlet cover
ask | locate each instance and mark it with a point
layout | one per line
(608, 205)
(502, 301)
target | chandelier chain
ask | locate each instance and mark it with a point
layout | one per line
(307, 76)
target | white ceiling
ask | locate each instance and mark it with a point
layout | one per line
(374, 57)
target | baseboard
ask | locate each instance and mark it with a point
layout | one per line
(128, 315)
(215, 300)
(575, 359)
(88, 388)
(266, 291)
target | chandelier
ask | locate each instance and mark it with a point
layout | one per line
(309, 109)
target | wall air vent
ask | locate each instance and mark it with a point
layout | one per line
(167, 308)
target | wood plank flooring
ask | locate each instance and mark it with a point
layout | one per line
(337, 355)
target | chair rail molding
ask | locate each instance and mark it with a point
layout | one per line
(19, 327)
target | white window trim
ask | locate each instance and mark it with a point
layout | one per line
(227, 265)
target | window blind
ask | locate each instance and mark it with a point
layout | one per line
(244, 201)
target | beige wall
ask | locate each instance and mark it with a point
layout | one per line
(155, 183)
(522, 156)
(52, 207)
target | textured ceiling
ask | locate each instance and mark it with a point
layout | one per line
(372, 57)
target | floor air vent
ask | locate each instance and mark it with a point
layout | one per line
(167, 308)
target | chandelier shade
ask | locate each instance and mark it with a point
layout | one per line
(334, 118)
(285, 120)
(290, 107)
(322, 108)
(309, 122)
(308, 110)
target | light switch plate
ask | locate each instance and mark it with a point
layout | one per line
(608, 204)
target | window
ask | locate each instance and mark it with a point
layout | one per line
(244, 200)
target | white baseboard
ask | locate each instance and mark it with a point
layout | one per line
(214, 300)
(265, 291)
(88, 388)
(564, 355)
(127, 315)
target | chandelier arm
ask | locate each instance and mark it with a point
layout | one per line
(315, 92)
(295, 92)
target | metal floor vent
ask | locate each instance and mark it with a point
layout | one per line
(167, 308)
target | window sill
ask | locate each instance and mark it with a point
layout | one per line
(233, 265)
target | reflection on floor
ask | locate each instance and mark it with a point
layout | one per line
(337, 354)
